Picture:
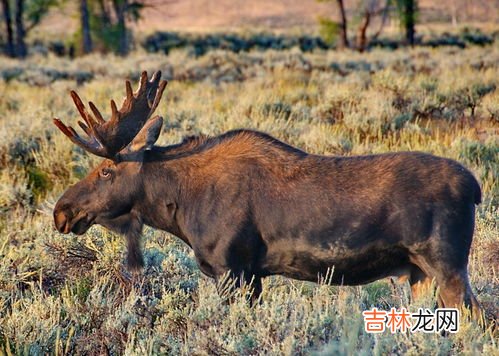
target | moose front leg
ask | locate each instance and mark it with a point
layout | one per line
(135, 258)
(131, 226)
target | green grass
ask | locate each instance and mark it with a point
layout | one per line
(66, 294)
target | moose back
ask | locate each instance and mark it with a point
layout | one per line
(253, 206)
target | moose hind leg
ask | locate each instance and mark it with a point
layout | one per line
(456, 292)
(445, 256)
(454, 288)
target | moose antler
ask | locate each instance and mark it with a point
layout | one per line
(107, 138)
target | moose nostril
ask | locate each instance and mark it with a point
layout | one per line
(61, 222)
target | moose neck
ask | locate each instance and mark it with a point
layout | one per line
(164, 184)
(177, 177)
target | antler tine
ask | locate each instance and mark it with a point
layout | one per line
(158, 96)
(156, 76)
(93, 146)
(88, 130)
(78, 103)
(129, 92)
(97, 113)
(62, 127)
(143, 83)
(152, 90)
(89, 120)
(114, 110)
(90, 126)
(85, 128)
(92, 129)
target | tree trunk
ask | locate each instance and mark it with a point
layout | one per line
(10, 50)
(343, 42)
(121, 9)
(21, 50)
(384, 18)
(410, 21)
(106, 18)
(85, 27)
(362, 32)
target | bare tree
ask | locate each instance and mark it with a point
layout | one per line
(21, 50)
(85, 27)
(368, 9)
(362, 31)
(343, 43)
(371, 9)
(385, 14)
(110, 23)
(410, 21)
(407, 12)
(10, 50)
(121, 8)
(27, 15)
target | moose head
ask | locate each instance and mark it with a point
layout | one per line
(108, 194)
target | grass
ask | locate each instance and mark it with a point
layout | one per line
(62, 295)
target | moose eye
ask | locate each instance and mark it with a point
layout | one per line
(105, 173)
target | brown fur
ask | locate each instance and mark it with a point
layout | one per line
(253, 206)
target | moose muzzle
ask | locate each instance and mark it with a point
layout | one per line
(66, 222)
(61, 222)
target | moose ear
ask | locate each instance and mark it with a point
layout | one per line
(147, 136)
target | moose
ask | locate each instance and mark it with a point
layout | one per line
(252, 206)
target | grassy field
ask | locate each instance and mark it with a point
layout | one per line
(61, 294)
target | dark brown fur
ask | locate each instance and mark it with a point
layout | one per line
(254, 206)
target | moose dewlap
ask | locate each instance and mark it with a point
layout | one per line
(253, 206)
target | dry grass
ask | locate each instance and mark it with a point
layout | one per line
(71, 294)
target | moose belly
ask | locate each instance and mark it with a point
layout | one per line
(349, 267)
